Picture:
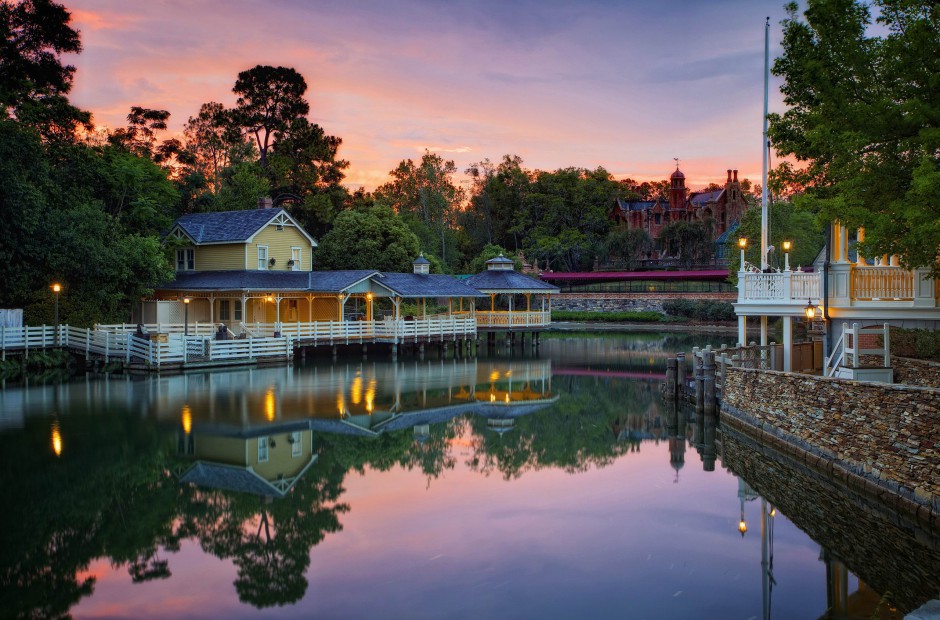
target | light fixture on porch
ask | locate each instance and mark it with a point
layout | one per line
(787, 244)
(810, 310)
(186, 316)
(269, 298)
(742, 243)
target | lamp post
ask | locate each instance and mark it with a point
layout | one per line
(185, 316)
(786, 254)
(742, 243)
(56, 289)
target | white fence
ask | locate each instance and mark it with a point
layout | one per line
(785, 286)
(163, 344)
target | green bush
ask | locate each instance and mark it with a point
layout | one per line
(916, 343)
(701, 310)
(645, 316)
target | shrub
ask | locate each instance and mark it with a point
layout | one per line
(646, 316)
(702, 310)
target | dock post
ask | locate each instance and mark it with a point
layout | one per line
(708, 381)
(699, 377)
(681, 380)
(671, 379)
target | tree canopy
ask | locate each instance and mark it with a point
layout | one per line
(863, 121)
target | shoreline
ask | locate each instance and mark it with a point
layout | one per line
(693, 328)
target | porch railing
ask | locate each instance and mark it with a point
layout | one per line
(869, 283)
(784, 286)
(514, 319)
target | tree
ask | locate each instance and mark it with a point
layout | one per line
(33, 82)
(497, 197)
(863, 121)
(427, 197)
(626, 247)
(566, 216)
(269, 100)
(690, 242)
(799, 226)
(373, 238)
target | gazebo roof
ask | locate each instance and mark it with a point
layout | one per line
(509, 281)
(426, 285)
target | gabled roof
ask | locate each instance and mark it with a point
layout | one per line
(426, 285)
(505, 280)
(229, 478)
(231, 226)
(338, 281)
(262, 280)
(699, 199)
(723, 238)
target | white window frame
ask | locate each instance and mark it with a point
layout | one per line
(186, 259)
(262, 261)
(262, 449)
(296, 446)
(237, 310)
(296, 255)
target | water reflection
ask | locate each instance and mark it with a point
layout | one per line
(253, 467)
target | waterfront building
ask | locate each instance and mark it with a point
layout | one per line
(503, 284)
(722, 207)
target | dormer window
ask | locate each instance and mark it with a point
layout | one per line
(186, 259)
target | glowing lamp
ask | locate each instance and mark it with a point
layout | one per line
(742, 527)
(742, 242)
(810, 310)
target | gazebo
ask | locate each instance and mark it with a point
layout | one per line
(506, 287)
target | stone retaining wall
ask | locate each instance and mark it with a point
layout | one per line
(908, 371)
(893, 555)
(628, 302)
(889, 434)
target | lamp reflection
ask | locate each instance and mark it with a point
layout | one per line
(56, 438)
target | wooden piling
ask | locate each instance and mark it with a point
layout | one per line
(671, 365)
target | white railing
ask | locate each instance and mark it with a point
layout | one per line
(172, 346)
(785, 286)
(514, 319)
(870, 283)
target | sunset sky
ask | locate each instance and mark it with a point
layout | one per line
(626, 85)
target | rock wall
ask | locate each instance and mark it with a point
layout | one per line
(908, 371)
(891, 554)
(627, 302)
(888, 434)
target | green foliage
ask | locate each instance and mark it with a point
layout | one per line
(700, 309)
(690, 242)
(626, 247)
(863, 121)
(644, 316)
(787, 222)
(478, 264)
(427, 197)
(374, 238)
(916, 343)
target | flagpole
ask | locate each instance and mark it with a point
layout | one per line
(764, 203)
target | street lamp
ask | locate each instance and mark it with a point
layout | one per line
(810, 310)
(786, 254)
(56, 289)
(186, 316)
(742, 243)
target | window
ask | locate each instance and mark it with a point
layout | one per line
(296, 444)
(225, 310)
(279, 227)
(186, 259)
(295, 256)
(658, 219)
(238, 310)
(262, 257)
(262, 449)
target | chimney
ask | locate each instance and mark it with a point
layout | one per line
(735, 176)
(265, 202)
(729, 176)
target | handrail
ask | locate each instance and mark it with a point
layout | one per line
(838, 349)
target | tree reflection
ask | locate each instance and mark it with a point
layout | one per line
(588, 426)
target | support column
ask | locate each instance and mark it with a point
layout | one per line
(788, 344)
(742, 330)
(860, 260)
(763, 331)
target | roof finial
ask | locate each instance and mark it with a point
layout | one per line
(677, 162)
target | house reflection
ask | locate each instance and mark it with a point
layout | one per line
(264, 461)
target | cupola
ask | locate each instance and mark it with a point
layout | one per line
(421, 265)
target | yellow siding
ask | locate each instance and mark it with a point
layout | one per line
(280, 460)
(229, 256)
(279, 244)
(325, 309)
(228, 450)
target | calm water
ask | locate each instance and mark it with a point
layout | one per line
(556, 485)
